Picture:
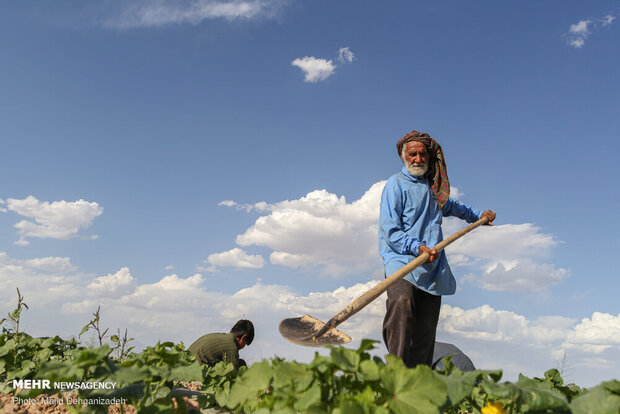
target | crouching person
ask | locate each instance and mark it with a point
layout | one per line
(212, 348)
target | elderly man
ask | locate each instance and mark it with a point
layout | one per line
(212, 348)
(413, 203)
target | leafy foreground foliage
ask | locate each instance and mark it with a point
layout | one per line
(347, 381)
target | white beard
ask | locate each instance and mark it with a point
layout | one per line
(416, 170)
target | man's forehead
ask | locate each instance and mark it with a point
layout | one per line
(414, 146)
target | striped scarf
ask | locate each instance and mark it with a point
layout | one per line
(437, 170)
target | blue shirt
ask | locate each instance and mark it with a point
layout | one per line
(411, 217)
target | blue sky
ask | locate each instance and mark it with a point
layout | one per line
(186, 164)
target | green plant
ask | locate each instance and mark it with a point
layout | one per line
(94, 324)
(121, 349)
(15, 315)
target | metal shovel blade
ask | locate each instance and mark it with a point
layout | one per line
(303, 330)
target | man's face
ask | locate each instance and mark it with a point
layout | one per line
(415, 157)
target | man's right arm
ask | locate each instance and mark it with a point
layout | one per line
(390, 222)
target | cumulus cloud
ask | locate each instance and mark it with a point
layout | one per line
(324, 231)
(57, 220)
(319, 69)
(113, 284)
(237, 258)
(522, 277)
(44, 278)
(490, 324)
(507, 255)
(315, 69)
(320, 229)
(142, 13)
(596, 334)
(580, 31)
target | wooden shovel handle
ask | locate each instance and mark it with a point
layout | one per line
(376, 291)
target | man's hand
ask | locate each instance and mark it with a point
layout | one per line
(433, 253)
(490, 215)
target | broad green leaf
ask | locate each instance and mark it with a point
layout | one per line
(597, 400)
(256, 379)
(366, 345)
(415, 390)
(613, 386)
(131, 375)
(369, 370)
(459, 385)
(289, 372)
(114, 338)
(43, 355)
(394, 362)
(501, 391)
(553, 375)
(346, 359)
(367, 396)
(221, 395)
(188, 373)
(309, 397)
(349, 405)
(84, 329)
(259, 374)
(159, 394)
(539, 398)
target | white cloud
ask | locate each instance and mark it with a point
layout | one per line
(142, 13)
(522, 277)
(58, 220)
(455, 193)
(45, 264)
(113, 284)
(315, 69)
(43, 278)
(321, 229)
(345, 55)
(597, 334)
(318, 69)
(490, 324)
(580, 31)
(237, 258)
(581, 28)
(609, 19)
(324, 231)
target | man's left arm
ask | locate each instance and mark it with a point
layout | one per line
(466, 212)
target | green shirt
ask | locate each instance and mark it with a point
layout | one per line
(215, 347)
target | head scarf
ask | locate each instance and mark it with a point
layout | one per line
(437, 170)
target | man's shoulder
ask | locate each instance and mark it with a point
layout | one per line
(215, 337)
(395, 178)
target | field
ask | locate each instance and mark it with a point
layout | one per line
(54, 375)
(347, 381)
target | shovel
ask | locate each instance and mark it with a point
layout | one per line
(309, 331)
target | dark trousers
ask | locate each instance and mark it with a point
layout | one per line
(410, 323)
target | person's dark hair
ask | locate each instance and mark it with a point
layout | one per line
(243, 327)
